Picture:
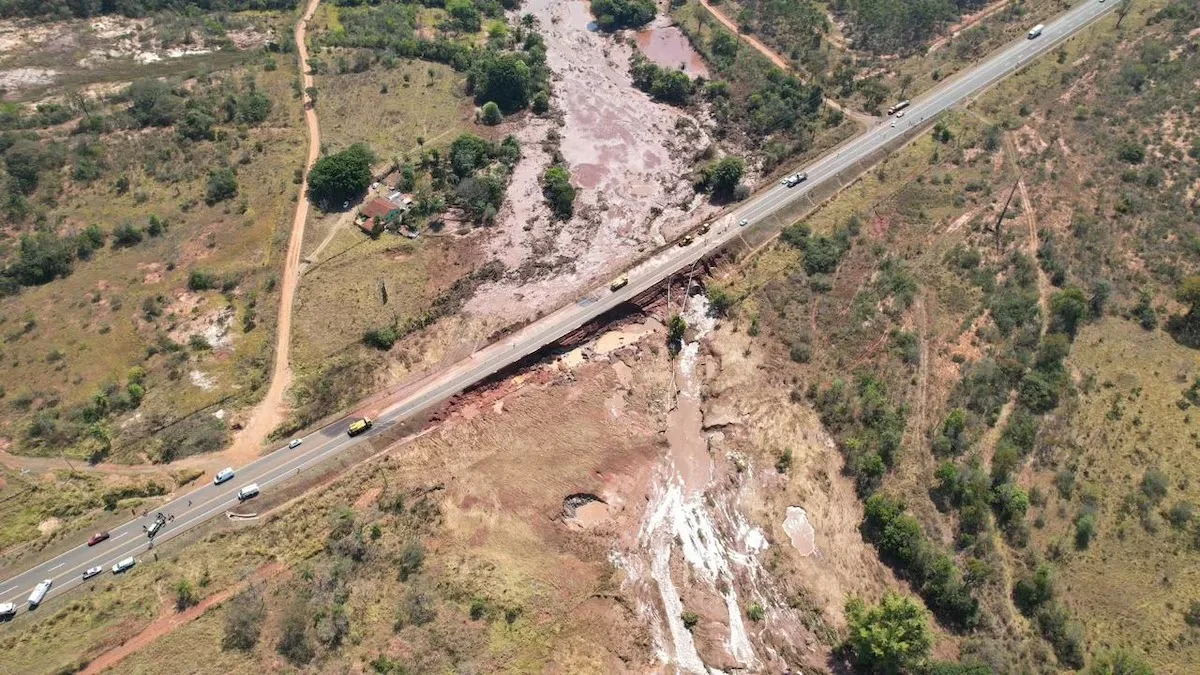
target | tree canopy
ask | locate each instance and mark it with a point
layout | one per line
(341, 176)
(617, 14)
(891, 637)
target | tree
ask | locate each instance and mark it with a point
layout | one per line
(726, 175)
(222, 185)
(1033, 591)
(153, 103)
(676, 327)
(464, 15)
(541, 102)
(491, 114)
(892, 637)
(197, 124)
(126, 235)
(558, 191)
(503, 78)
(252, 108)
(23, 161)
(340, 177)
(411, 559)
(1068, 309)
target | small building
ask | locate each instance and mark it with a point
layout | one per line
(372, 217)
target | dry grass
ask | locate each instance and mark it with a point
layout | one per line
(425, 102)
(1151, 576)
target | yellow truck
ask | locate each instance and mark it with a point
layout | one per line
(618, 284)
(359, 426)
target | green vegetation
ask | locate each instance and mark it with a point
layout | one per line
(617, 14)
(558, 191)
(664, 84)
(887, 26)
(891, 637)
(340, 177)
(723, 179)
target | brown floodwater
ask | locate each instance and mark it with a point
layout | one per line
(668, 47)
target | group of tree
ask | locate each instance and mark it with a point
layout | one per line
(558, 191)
(723, 179)
(614, 15)
(664, 84)
(822, 253)
(82, 9)
(890, 26)
(868, 425)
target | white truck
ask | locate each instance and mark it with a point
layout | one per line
(39, 592)
(7, 610)
(1036, 31)
(247, 492)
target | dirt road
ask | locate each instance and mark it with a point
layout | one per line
(270, 411)
(779, 61)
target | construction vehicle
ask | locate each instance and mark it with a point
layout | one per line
(359, 426)
(618, 284)
(899, 106)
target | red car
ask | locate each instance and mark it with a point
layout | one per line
(97, 538)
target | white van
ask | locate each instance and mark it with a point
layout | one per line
(7, 610)
(222, 476)
(1036, 31)
(124, 565)
(247, 492)
(39, 593)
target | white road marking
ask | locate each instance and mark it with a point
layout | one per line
(56, 567)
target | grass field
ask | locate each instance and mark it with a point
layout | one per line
(425, 105)
(66, 339)
(1128, 421)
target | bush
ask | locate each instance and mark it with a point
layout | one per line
(755, 612)
(222, 185)
(417, 610)
(1085, 529)
(1120, 662)
(1033, 591)
(201, 280)
(185, 595)
(559, 193)
(1068, 309)
(381, 338)
(411, 559)
(340, 177)
(690, 619)
(891, 637)
(294, 643)
(1131, 152)
(1155, 485)
(243, 620)
(726, 175)
(491, 114)
(541, 102)
(126, 235)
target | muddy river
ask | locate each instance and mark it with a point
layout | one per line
(668, 47)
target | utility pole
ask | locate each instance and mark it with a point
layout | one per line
(1004, 210)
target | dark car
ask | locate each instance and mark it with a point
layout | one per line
(97, 538)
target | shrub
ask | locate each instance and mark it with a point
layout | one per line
(1155, 485)
(558, 191)
(381, 338)
(690, 619)
(185, 595)
(755, 612)
(891, 637)
(201, 280)
(411, 559)
(222, 185)
(1120, 662)
(294, 643)
(491, 114)
(541, 102)
(1085, 529)
(126, 235)
(243, 620)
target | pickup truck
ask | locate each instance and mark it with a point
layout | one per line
(7, 610)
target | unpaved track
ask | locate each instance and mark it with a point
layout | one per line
(270, 411)
(779, 61)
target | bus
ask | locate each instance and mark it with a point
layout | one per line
(899, 106)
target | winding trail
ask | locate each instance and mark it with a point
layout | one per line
(270, 411)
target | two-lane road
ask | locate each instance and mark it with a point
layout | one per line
(207, 502)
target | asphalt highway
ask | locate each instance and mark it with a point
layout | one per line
(202, 504)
